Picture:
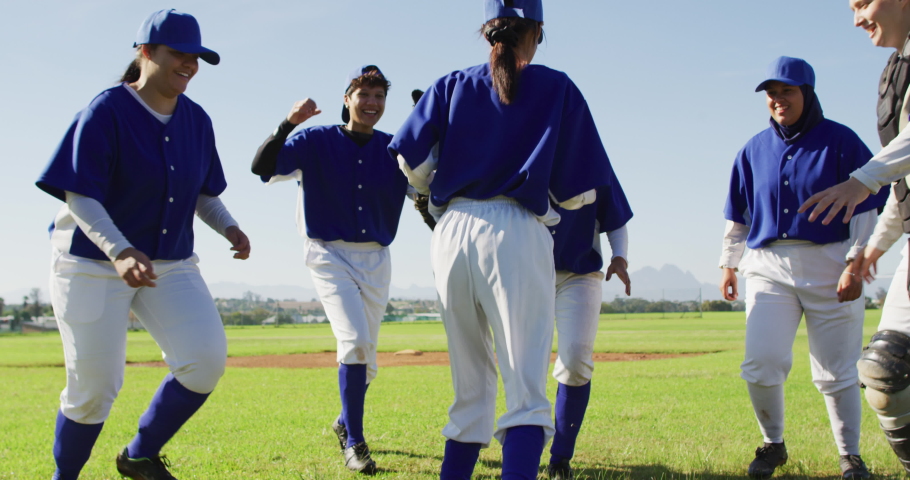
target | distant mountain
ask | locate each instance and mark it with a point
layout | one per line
(669, 283)
(302, 294)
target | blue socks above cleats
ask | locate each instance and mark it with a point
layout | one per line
(571, 403)
(172, 405)
(352, 383)
(459, 460)
(73, 444)
(521, 452)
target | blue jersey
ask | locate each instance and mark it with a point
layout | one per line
(771, 179)
(545, 140)
(349, 192)
(575, 237)
(146, 174)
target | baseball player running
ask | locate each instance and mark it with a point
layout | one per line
(350, 196)
(133, 168)
(884, 367)
(511, 136)
(797, 268)
(578, 298)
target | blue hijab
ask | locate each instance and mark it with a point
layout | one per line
(812, 115)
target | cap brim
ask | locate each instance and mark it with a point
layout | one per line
(789, 81)
(205, 54)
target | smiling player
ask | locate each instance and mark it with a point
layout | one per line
(350, 197)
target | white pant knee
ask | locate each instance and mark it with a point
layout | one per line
(202, 373)
(574, 369)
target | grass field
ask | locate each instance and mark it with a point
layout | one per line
(675, 418)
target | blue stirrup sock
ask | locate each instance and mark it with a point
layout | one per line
(73, 444)
(521, 452)
(352, 383)
(459, 460)
(172, 405)
(571, 403)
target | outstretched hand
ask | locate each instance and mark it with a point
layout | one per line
(302, 111)
(239, 241)
(843, 196)
(618, 266)
(869, 268)
(135, 268)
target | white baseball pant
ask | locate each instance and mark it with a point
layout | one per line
(578, 299)
(784, 281)
(493, 264)
(92, 305)
(352, 280)
(896, 310)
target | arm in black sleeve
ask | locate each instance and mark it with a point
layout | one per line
(266, 160)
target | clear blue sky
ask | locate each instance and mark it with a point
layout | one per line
(670, 84)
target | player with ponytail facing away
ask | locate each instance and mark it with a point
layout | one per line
(133, 169)
(513, 140)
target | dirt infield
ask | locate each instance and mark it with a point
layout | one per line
(388, 359)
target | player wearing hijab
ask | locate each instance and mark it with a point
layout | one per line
(797, 268)
(133, 168)
(350, 196)
(509, 138)
(578, 261)
(885, 363)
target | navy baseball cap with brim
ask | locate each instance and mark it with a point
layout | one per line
(789, 70)
(530, 9)
(177, 30)
(354, 75)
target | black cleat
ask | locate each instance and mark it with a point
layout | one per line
(154, 468)
(853, 467)
(341, 432)
(767, 458)
(560, 471)
(357, 458)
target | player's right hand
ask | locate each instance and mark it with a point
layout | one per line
(729, 285)
(302, 111)
(135, 268)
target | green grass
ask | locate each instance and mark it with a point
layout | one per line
(676, 418)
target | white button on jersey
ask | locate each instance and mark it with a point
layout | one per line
(789, 157)
(363, 231)
(359, 161)
(786, 210)
(359, 186)
(784, 235)
(164, 231)
(167, 139)
(172, 167)
(171, 199)
(786, 182)
(359, 208)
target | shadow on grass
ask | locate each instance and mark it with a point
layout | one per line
(661, 472)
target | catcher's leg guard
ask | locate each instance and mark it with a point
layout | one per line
(884, 368)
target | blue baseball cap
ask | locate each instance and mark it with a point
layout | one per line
(354, 75)
(530, 9)
(789, 70)
(177, 30)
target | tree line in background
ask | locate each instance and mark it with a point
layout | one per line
(640, 305)
(30, 308)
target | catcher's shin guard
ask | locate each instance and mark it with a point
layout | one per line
(899, 438)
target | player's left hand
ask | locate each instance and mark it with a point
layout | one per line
(618, 266)
(240, 242)
(850, 285)
(843, 196)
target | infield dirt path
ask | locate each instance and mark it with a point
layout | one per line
(388, 359)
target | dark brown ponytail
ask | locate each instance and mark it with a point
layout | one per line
(505, 34)
(134, 70)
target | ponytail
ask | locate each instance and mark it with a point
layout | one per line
(504, 35)
(134, 69)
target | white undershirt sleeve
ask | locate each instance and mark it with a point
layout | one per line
(421, 177)
(861, 227)
(889, 227)
(94, 221)
(619, 242)
(734, 244)
(212, 211)
(890, 164)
